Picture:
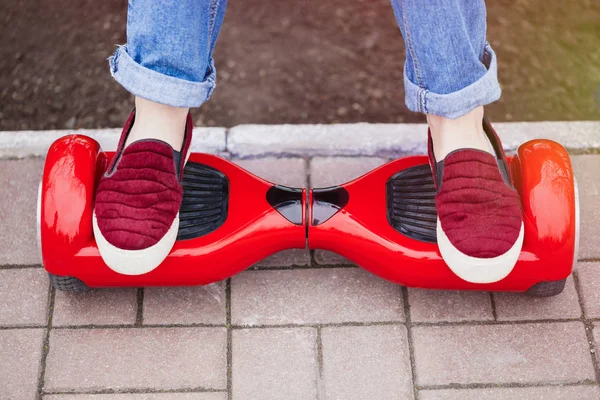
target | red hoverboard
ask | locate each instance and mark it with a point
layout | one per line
(384, 221)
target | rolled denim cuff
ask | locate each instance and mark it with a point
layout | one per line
(154, 86)
(456, 104)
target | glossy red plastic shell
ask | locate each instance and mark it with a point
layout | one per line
(252, 231)
(361, 232)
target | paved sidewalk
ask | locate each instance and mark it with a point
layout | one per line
(298, 325)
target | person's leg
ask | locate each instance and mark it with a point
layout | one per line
(450, 74)
(167, 64)
(450, 71)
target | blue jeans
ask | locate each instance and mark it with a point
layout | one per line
(450, 69)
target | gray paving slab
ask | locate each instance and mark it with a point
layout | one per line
(493, 354)
(286, 258)
(185, 305)
(95, 307)
(324, 257)
(589, 283)
(275, 364)
(24, 296)
(586, 169)
(519, 306)
(449, 306)
(140, 396)
(19, 181)
(596, 335)
(366, 362)
(529, 393)
(20, 360)
(311, 296)
(136, 359)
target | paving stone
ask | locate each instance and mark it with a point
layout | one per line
(185, 305)
(596, 333)
(275, 363)
(331, 171)
(24, 296)
(140, 396)
(19, 181)
(452, 306)
(586, 171)
(589, 284)
(526, 393)
(324, 257)
(286, 258)
(522, 353)
(20, 356)
(133, 358)
(366, 362)
(282, 171)
(519, 306)
(95, 307)
(308, 296)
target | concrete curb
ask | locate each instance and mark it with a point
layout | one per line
(21, 144)
(362, 139)
(246, 141)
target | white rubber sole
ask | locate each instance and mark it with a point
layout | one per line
(135, 262)
(478, 270)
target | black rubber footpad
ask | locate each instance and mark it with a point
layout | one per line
(411, 203)
(205, 201)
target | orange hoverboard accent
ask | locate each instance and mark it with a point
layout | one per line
(263, 218)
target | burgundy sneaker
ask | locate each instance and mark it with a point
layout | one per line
(480, 223)
(136, 211)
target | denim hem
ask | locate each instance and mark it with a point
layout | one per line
(154, 86)
(456, 104)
